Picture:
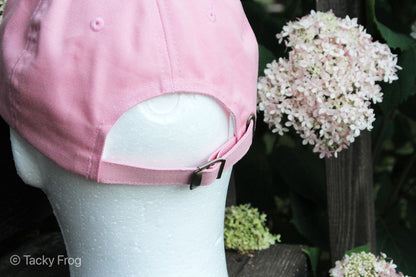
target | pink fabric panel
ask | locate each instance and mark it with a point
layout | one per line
(213, 46)
(71, 68)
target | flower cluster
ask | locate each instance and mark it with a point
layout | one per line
(365, 265)
(245, 229)
(2, 3)
(413, 30)
(325, 88)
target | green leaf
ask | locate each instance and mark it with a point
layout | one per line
(393, 39)
(400, 90)
(403, 135)
(383, 130)
(304, 174)
(303, 171)
(313, 254)
(371, 9)
(253, 176)
(265, 57)
(411, 213)
(407, 76)
(408, 107)
(391, 97)
(398, 242)
(384, 191)
(359, 249)
(311, 220)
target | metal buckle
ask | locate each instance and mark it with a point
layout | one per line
(252, 117)
(197, 175)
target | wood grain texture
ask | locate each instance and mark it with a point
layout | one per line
(279, 260)
(350, 176)
(350, 198)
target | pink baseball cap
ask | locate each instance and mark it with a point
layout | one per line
(71, 68)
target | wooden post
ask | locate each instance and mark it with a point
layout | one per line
(349, 178)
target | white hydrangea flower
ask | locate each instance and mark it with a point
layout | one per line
(365, 265)
(325, 88)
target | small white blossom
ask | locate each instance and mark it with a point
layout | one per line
(413, 30)
(327, 84)
(2, 3)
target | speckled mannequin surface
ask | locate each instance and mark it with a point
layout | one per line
(136, 230)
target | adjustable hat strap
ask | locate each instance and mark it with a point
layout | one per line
(205, 174)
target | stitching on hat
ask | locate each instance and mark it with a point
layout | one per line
(15, 101)
(92, 150)
(175, 58)
(159, 39)
(166, 45)
(30, 41)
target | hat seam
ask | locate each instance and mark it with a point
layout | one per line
(29, 43)
(65, 102)
(166, 46)
(93, 149)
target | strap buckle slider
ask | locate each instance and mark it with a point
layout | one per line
(252, 117)
(197, 175)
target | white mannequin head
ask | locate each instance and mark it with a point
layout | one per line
(125, 230)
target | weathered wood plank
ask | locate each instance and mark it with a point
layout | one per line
(350, 176)
(350, 199)
(279, 260)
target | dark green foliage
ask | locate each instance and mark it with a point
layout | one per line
(313, 255)
(399, 242)
(359, 249)
(394, 151)
(287, 181)
(265, 56)
(400, 90)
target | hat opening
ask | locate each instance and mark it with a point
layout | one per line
(169, 131)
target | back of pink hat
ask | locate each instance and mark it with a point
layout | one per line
(70, 69)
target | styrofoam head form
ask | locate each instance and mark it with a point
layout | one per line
(70, 69)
